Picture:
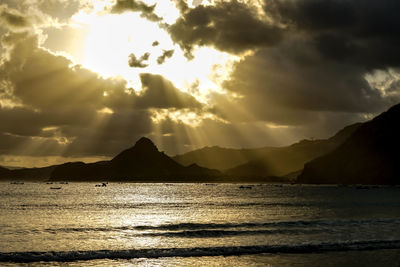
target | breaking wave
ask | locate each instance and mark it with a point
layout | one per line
(66, 256)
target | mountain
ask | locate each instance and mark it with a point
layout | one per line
(369, 156)
(80, 171)
(250, 169)
(216, 157)
(268, 161)
(3, 171)
(142, 162)
(27, 174)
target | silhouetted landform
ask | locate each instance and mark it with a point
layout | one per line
(369, 156)
(268, 161)
(27, 174)
(4, 171)
(363, 153)
(140, 163)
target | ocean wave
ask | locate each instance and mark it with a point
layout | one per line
(225, 233)
(66, 256)
(280, 227)
(195, 226)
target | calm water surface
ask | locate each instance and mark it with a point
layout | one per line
(198, 224)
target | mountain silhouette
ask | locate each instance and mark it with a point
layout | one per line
(4, 171)
(27, 174)
(369, 156)
(142, 162)
(267, 161)
(144, 159)
(362, 153)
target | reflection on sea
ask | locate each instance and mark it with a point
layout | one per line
(96, 223)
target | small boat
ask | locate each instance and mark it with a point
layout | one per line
(245, 187)
(17, 182)
(55, 188)
(49, 183)
(101, 185)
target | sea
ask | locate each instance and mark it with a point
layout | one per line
(158, 224)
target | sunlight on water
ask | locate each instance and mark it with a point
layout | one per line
(125, 222)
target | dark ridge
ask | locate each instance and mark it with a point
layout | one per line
(264, 162)
(369, 156)
(27, 174)
(4, 171)
(142, 162)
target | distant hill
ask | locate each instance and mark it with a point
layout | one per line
(13, 167)
(268, 161)
(142, 162)
(369, 156)
(217, 157)
(27, 174)
(3, 171)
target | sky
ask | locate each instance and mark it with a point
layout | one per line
(81, 80)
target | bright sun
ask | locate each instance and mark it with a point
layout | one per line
(112, 38)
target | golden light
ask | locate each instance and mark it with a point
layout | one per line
(113, 37)
(187, 117)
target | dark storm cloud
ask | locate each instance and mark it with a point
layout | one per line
(294, 85)
(298, 78)
(314, 77)
(13, 121)
(166, 54)
(11, 142)
(161, 93)
(229, 26)
(146, 11)
(365, 33)
(43, 80)
(135, 62)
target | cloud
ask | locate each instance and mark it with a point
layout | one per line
(293, 85)
(43, 80)
(146, 11)
(12, 18)
(181, 5)
(230, 26)
(314, 67)
(365, 34)
(313, 75)
(70, 111)
(166, 54)
(298, 78)
(138, 62)
(60, 9)
(161, 93)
